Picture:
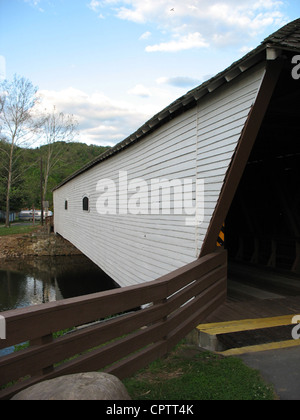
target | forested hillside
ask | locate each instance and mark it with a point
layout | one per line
(26, 188)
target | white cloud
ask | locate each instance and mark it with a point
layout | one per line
(235, 20)
(220, 10)
(267, 4)
(94, 4)
(101, 120)
(140, 90)
(34, 3)
(186, 42)
(179, 81)
(247, 17)
(245, 49)
(145, 35)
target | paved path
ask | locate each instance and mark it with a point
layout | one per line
(281, 368)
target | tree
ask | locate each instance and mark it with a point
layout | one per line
(56, 128)
(17, 123)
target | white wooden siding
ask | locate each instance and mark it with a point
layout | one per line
(197, 144)
(221, 118)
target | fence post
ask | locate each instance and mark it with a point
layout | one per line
(2, 328)
(47, 339)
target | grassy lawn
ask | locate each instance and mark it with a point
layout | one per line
(16, 229)
(190, 374)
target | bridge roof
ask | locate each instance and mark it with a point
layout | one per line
(285, 39)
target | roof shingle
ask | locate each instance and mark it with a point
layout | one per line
(288, 37)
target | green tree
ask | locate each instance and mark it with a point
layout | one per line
(17, 125)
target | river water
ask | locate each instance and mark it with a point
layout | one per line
(48, 279)
(40, 280)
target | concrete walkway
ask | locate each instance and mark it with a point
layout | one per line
(281, 368)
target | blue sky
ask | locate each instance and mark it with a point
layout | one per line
(115, 63)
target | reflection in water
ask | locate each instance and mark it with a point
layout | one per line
(31, 282)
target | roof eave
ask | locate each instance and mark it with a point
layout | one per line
(265, 52)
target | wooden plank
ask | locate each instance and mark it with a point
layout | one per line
(100, 358)
(233, 311)
(97, 359)
(200, 301)
(132, 364)
(214, 260)
(148, 332)
(41, 320)
(47, 366)
(200, 312)
(196, 288)
(37, 357)
(8, 393)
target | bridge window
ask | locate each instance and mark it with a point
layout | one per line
(85, 204)
(66, 205)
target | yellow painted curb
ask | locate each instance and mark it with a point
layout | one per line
(245, 325)
(261, 347)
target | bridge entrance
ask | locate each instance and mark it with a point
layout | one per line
(263, 223)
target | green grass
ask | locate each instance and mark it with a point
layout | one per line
(17, 229)
(189, 374)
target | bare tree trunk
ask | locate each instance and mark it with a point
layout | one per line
(47, 169)
(17, 124)
(57, 128)
(9, 180)
(42, 194)
(7, 222)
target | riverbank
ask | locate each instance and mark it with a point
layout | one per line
(37, 244)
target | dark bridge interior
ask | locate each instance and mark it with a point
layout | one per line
(263, 224)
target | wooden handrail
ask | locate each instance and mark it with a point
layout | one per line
(122, 338)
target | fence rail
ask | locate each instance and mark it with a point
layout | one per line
(134, 326)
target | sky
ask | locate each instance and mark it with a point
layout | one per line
(114, 64)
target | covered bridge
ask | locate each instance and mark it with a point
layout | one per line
(224, 156)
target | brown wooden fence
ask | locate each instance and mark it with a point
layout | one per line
(139, 324)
